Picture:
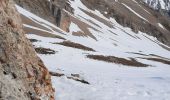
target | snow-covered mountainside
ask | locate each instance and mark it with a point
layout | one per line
(96, 58)
(159, 4)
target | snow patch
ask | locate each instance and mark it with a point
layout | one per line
(160, 25)
(74, 28)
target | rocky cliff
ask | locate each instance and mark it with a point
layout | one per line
(51, 10)
(62, 19)
(38, 7)
(23, 75)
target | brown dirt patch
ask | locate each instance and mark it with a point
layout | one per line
(33, 40)
(75, 77)
(117, 60)
(41, 50)
(35, 23)
(53, 28)
(109, 24)
(83, 26)
(41, 33)
(164, 61)
(75, 45)
(30, 22)
(79, 80)
(56, 74)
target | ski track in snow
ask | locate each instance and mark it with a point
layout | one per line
(108, 81)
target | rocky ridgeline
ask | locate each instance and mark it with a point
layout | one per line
(62, 19)
(23, 75)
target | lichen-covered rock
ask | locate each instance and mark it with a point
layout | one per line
(23, 75)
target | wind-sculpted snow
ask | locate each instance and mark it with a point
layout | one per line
(107, 80)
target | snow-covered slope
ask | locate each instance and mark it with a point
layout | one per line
(159, 4)
(100, 59)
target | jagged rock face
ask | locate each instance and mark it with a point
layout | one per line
(23, 75)
(163, 6)
(158, 4)
(61, 18)
(51, 10)
(38, 7)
